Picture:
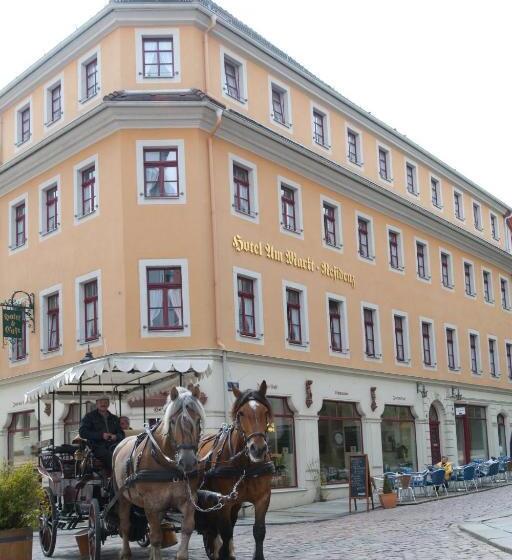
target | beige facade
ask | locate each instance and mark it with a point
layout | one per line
(206, 232)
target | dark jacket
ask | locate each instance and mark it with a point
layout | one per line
(94, 425)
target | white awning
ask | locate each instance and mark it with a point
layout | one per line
(122, 372)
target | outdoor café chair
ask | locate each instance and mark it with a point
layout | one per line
(437, 481)
(468, 477)
(404, 487)
(419, 480)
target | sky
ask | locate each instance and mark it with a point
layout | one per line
(437, 71)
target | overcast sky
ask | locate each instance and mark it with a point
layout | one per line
(437, 71)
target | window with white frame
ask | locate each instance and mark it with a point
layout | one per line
(488, 286)
(88, 308)
(477, 216)
(234, 77)
(354, 147)
(18, 348)
(401, 337)
(331, 224)
(89, 76)
(23, 122)
(474, 353)
(494, 358)
(280, 103)
(296, 318)
(244, 188)
(320, 126)
(291, 207)
(86, 177)
(338, 327)
(508, 351)
(365, 242)
(495, 227)
(505, 293)
(395, 249)
(422, 261)
(469, 279)
(446, 269)
(371, 331)
(164, 293)
(53, 102)
(248, 305)
(436, 193)
(158, 55)
(49, 215)
(452, 348)
(384, 163)
(18, 223)
(458, 205)
(428, 343)
(51, 320)
(411, 178)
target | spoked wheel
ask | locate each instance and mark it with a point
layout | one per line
(48, 521)
(144, 542)
(94, 530)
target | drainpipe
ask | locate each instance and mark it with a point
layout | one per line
(216, 281)
(213, 22)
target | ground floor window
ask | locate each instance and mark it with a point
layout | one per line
(73, 418)
(22, 435)
(281, 442)
(398, 431)
(339, 434)
(502, 439)
(471, 428)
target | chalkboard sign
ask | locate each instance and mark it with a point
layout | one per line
(359, 479)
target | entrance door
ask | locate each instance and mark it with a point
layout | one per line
(435, 439)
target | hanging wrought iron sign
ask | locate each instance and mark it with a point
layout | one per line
(17, 311)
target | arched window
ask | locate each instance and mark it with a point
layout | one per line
(435, 438)
(398, 432)
(73, 418)
(282, 444)
(21, 438)
(502, 438)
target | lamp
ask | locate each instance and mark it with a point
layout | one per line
(88, 356)
(456, 394)
(421, 389)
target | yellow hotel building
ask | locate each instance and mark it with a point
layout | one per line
(175, 189)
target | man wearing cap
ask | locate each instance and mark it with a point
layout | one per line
(102, 430)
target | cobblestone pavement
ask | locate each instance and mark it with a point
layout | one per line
(419, 532)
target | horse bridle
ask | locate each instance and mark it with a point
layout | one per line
(238, 425)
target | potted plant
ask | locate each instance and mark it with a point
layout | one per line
(20, 495)
(387, 497)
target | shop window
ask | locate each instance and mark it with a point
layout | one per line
(398, 432)
(339, 434)
(502, 438)
(22, 435)
(282, 444)
(73, 419)
(471, 428)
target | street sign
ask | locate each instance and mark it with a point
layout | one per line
(12, 322)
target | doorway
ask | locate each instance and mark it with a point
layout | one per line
(435, 438)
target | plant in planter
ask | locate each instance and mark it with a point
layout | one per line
(20, 496)
(318, 478)
(388, 496)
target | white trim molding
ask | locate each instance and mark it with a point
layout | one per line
(304, 321)
(82, 62)
(433, 344)
(259, 327)
(406, 336)
(43, 322)
(157, 33)
(241, 69)
(48, 124)
(11, 222)
(20, 107)
(80, 311)
(285, 92)
(299, 219)
(345, 339)
(371, 259)
(44, 234)
(252, 171)
(79, 217)
(377, 358)
(338, 223)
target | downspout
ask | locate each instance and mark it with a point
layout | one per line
(213, 22)
(216, 282)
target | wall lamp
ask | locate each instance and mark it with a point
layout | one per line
(421, 389)
(456, 394)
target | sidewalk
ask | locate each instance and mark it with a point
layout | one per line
(495, 531)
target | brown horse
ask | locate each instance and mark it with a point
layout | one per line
(237, 457)
(150, 471)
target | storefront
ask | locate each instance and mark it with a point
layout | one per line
(282, 444)
(502, 438)
(398, 432)
(22, 435)
(435, 435)
(339, 434)
(471, 425)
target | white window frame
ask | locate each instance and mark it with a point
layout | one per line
(451, 277)
(259, 326)
(508, 309)
(371, 238)
(80, 311)
(389, 163)
(497, 375)
(476, 204)
(491, 286)
(338, 226)
(242, 78)
(81, 77)
(493, 216)
(428, 269)
(433, 344)
(305, 346)
(157, 33)
(377, 333)
(401, 258)
(416, 181)
(431, 178)
(43, 322)
(508, 236)
(43, 189)
(299, 220)
(456, 348)
(140, 146)
(145, 332)
(359, 164)
(407, 341)
(462, 217)
(52, 84)
(478, 352)
(345, 339)
(287, 104)
(12, 223)
(15, 363)
(77, 189)
(327, 127)
(252, 168)
(18, 144)
(507, 342)
(473, 278)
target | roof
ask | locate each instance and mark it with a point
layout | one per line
(188, 95)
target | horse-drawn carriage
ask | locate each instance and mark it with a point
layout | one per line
(164, 480)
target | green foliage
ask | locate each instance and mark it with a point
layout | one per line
(387, 487)
(20, 495)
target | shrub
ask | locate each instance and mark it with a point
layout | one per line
(20, 494)
(387, 487)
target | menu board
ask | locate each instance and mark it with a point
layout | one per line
(359, 479)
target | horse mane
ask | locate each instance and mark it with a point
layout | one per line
(183, 403)
(251, 395)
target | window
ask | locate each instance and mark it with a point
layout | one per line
(337, 326)
(89, 76)
(88, 308)
(320, 128)
(509, 359)
(411, 179)
(158, 57)
(281, 443)
(422, 261)
(474, 352)
(477, 216)
(86, 189)
(493, 358)
(452, 348)
(446, 270)
(495, 228)
(401, 338)
(19, 349)
(293, 314)
(25, 125)
(73, 419)
(19, 225)
(458, 205)
(246, 307)
(291, 208)
(365, 238)
(469, 279)
(56, 103)
(384, 156)
(90, 303)
(395, 250)
(398, 433)
(330, 227)
(502, 438)
(428, 343)
(505, 294)
(488, 288)
(435, 187)
(161, 179)
(234, 77)
(354, 148)
(88, 179)
(164, 298)
(49, 207)
(280, 106)
(242, 201)
(371, 332)
(339, 434)
(244, 188)
(471, 434)
(22, 435)
(52, 312)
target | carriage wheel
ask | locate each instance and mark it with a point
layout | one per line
(48, 521)
(94, 530)
(144, 542)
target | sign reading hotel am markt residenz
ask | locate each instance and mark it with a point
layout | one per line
(12, 322)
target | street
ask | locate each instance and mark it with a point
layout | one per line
(406, 533)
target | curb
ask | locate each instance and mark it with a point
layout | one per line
(491, 542)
